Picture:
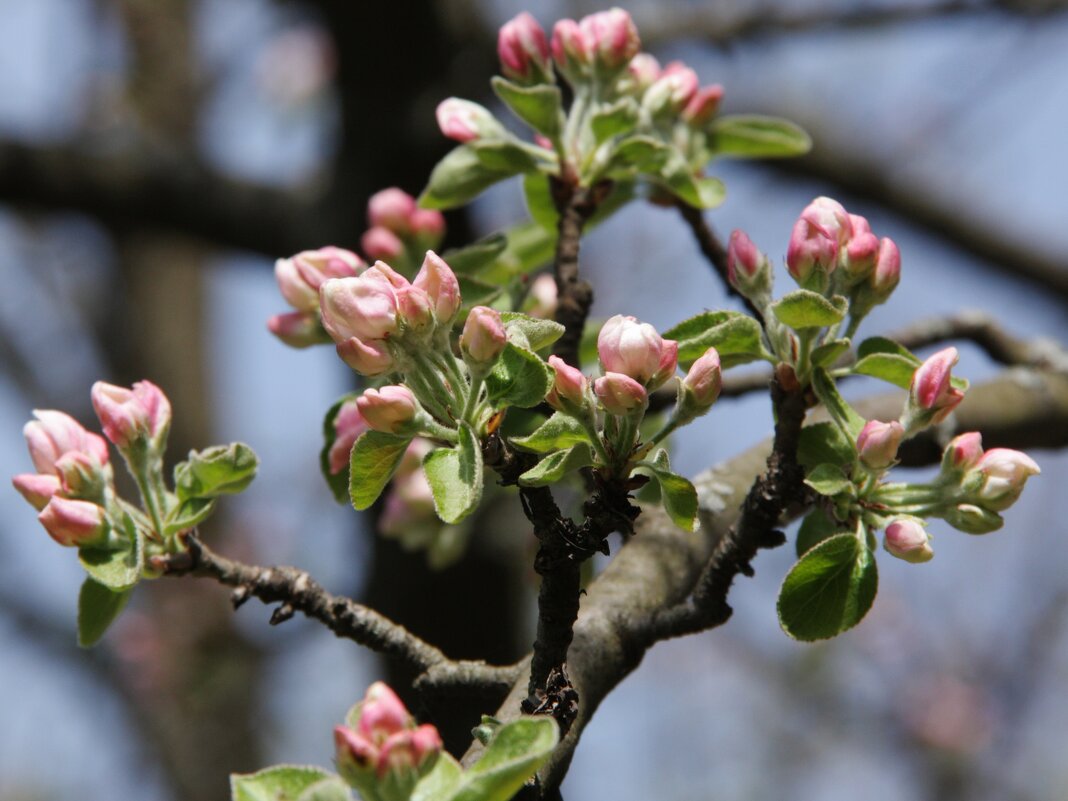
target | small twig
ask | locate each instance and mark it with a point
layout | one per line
(296, 591)
(574, 295)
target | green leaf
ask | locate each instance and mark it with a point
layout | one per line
(539, 106)
(828, 479)
(476, 292)
(828, 353)
(829, 590)
(278, 783)
(372, 463)
(442, 780)
(218, 470)
(557, 465)
(98, 607)
(519, 378)
(539, 201)
(455, 476)
(338, 482)
(614, 120)
(815, 528)
(537, 333)
(642, 154)
(884, 345)
(190, 513)
(824, 443)
(676, 493)
(841, 412)
(516, 753)
(477, 255)
(503, 155)
(890, 367)
(701, 193)
(803, 308)
(330, 789)
(731, 333)
(752, 136)
(458, 178)
(118, 567)
(557, 433)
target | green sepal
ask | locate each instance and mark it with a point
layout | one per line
(477, 255)
(459, 177)
(514, 755)
(614, 120)
(519, 378)
(829, 590)
(372, 462)
(218, 470)
(536, 332)
(828, 353)
(98, 606)
(754, 136)
(455, 476)
(337, 482)
(815, 528)
(119, 566)
(824, 443)
(557, 433)
(803, 308)
(557, 465)
(736, 336)
(677, 494)
(828, 479)
(539, 106)
(277, 783)
(841, 412)
(442, 780)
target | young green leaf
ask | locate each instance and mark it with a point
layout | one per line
(539, 201)
(520, 378)
(614, 120)
(477, 292)
(455, 476)
(752, 136)
(841, 412)
(372, 463)
(557, 465)
(118, 567)
(477, 255)
(701, 193)
(514, 755)
(98, 606)
(338, 482)
(441, 782)
(825, 443)
(458, 178)
(557, 433)
(873, 345)
(189, 513)
(537, 332)
(828, 353)
(803, 308)
(278, 783)
(829, 590)
(676, 493)
(504, 155)
(731, 333)
(890, 367)
(330, 789)
(539, 106)
(218, 470)
(828, 479)
(641, 154)
(815, 528)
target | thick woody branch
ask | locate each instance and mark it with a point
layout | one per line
(574, 294)
(296, 591)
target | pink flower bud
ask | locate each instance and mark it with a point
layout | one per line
(348, 425)
(612, 38)
(569, 385)
(571, 49)
(81, 475)
(55, 433)
(371, 358)
(299, 277)
(703, 105)
(887, 272)
(130, 415)
(391, 409)
(861, 250)
(635, 349)
(523, 50)
(428, 225)
(297, 329)
(878, 442)
(415, 308)
(426, 744)
(407, 754)
(703, 382)
(963, 452)
(36, 488)
(543, 297)
(620, 394)
(382, 713)
(642, 72)
(1004, 472)
(439, 282)
(673, 90)
(748, 270)
(392, 209)
(356, 757)
(931, 389)
(465, 121)
(812, 251)
(908, 540)
(381, 243)
(483, 337)
(364, 307)
(73, 523)
(831, 216)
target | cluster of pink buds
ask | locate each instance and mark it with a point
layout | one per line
(398, 229)
(984, 483)
(385, 754)
(636, 360)
(299, 279)
(524, 51)
(599, 45)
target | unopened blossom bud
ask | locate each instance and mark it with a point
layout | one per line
(391, 208)
(831, 216)
(348, 425)
(672, 91)
(379, 242)
(297, 329)
(972, 519)
(82, 476)
(363, 307)
(612, 38)
(131, 415)
(391, 409)
(861, 251)
(524, 50)
(439, 282)
(1004, 473)
(356, 759)
(620, 394)
(483, 337)
(701, 386)
(908, 540)
(887, 272)
(931, 391)
(812, 254)
(465, 121)
(74, 523)
(642, 72)
(371, 358)
(748, 270)
(569, 385)
(428, 226)
(878, 442)
(299, 277)
(703, 105)
(404, 758)
(415, 308)
(962, 453)
(543, 297)
(382, 713)
(636, 349)
(55, 433)
(570, 48)
(37, 488)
